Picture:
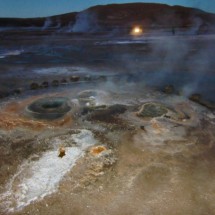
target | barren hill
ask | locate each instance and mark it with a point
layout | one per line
(120, 16)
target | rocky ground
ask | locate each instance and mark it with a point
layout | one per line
(131, 143)
(141, 152)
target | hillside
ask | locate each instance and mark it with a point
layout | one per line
(121, 17)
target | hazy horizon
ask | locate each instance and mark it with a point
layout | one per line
(41, 8)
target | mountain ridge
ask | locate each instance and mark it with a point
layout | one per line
(122, 16)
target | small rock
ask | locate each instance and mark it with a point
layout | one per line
(45, 84)
(169, 89)
(55, 83)
(142, 127)
(196, 97)
(131, 128)
(34, 86)
(87, 78)
(3, 94)
(102, 78)
(74, 78)
(64, 81)
(17, 91)
(62, 152)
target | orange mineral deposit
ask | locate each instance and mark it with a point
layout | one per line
(97, 150)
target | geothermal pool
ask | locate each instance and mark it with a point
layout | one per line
(102, 125)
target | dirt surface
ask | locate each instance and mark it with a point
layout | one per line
(114, 160)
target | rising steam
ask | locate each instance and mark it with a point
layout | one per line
(85, 22)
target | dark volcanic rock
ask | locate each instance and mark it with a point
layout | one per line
(18, 91)
(4, 94)
(74, 78)
(34, 86)
(198, 99)
(45, 84)
(102, 78)
(55, 83)
(87, 78)
(64, 81)
(169, 89)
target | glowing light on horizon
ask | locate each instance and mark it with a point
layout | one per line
(137, 31)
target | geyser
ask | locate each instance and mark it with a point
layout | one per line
(49, 108)
(153, 109)
(91, 97)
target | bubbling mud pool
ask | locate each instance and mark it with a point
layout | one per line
(127, 150)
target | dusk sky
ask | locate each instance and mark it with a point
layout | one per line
(40, 8)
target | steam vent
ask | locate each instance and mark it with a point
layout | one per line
(154, 109)
(91, 97)
(49, 108)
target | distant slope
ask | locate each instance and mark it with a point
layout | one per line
(121, 16)
(65, 19)
(149, 14)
